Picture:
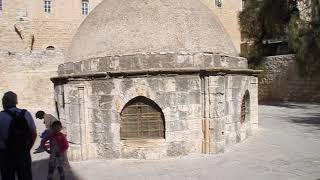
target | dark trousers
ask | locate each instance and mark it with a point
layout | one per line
(15, 163)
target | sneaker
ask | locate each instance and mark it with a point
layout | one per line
(38, 150)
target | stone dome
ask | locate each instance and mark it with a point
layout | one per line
(122, 27)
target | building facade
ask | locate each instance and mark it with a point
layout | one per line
(41, 24)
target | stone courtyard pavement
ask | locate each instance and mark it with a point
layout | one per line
(286, 147)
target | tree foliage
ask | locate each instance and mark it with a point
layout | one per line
(297, 21)
(304, 39)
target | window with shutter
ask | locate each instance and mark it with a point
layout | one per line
(142, 118)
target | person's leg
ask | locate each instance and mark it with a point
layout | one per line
(7, 173)
(43, 136)
(61, 173)
(60, 164)
(6, 167)
(23, 167)
(51, 168)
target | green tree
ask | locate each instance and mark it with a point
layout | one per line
(304, 39)
(263, 20)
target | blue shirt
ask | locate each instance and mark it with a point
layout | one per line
(5, 121)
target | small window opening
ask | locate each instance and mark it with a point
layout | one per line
(243, 4)
(0, 5)
(85, 7)
(47, 6)
(50, 48)
(218, 3)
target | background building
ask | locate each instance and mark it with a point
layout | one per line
(41, 24)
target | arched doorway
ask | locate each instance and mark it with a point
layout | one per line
(142, 118)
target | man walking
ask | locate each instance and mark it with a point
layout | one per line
(48, 120)
(17, 136)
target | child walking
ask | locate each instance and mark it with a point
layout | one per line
(58, 147)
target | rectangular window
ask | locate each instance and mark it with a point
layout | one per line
(47, 6)
(0, 5)
(85, 7)
(243, 4)
(218, 3)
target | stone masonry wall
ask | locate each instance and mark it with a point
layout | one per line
(93, 122)
(28, 74)
(91, 111)
(281, 82)
(90, 105)
(236, 87)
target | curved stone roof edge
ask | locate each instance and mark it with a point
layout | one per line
(160, 53)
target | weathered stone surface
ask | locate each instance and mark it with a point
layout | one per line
(281, 81)
(102, 87)
(154, 61)
(177, 149)
(28, 75)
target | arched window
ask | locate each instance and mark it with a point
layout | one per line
(142, 118)
(245, 108)
(85, 7)
(50, 48)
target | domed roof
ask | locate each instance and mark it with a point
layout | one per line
(122, 27)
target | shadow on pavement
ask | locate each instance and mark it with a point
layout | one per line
(285, 105)
(311, 119)
(40, 171)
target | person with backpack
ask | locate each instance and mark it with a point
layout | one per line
(58, 145)
(17, 136)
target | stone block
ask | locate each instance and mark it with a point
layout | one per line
(188, 83)
(74, 134)
(188, 98)
(198, 60)
(106, 101)
(68, 68)
(166, 99)
(102, 87)
(208, 60)
(184, 61)
(177, 125)
(86, 66)
(220, 147)
(217, 61)
(169, 85)
(178, 148)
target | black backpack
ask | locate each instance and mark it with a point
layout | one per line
(19, 134)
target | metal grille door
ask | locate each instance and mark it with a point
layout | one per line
(245, 108)
(142, 119)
